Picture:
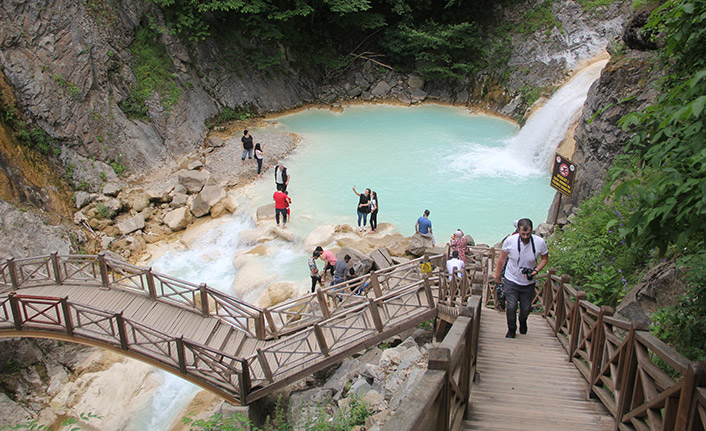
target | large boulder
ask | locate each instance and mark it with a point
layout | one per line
(207, 198)
(382, 258)
(661, 286)
(276, 293)
(361, 263)
(418, 244)
(193, 180)
(177, 219)
(131, 224)
(266, 212)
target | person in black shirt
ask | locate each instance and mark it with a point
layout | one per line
(247, 148)
(363, 208)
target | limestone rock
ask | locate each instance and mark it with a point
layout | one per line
(381, 89)
(230, 203)
(661, 286)
(179, 200)
(418, 95)
(177, 219)
(81, 199)
(382, 258)
(131, 224)
(193, 180)
(415, 81)
(266, 212)
(361, 263)
(111, 189)
(160, 192)
(418, 244)
(194, 165)
(215, 141)
(207, 198)
(138, 201)
(277, 293)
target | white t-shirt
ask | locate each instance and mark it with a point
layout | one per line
(524, 258)
(455, 263)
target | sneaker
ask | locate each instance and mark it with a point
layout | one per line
(510, 334)
(523, 329)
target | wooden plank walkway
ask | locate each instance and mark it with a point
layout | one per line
(527, 383)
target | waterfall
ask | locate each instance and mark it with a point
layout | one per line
(528, 153)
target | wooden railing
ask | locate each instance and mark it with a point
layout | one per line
(644, 383)
(330, 340)
(29, 315)
(103, 272)
(440, 398)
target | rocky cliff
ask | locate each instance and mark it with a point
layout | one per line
(72, 68)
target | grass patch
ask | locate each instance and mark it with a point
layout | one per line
(154, 74)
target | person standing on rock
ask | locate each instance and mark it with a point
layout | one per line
(373, 212)
(363, 208)
(259, 158)
(281, 177)
(281, 203)
(423, 226)
(314, 271)
(246, 140)
(520, 252)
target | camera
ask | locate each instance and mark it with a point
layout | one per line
(528, 273)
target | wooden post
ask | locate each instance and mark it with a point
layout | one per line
(67, 316)
(627, 372)
(575, 328)
(561, 305)
(375, 282)
(375, 313)
(203, 289)
(181, 353)
(694, 377)
(548, 291)
(598, 346)
(321, 339)
(439, 359)
(16, 313)
(244, 381)
(271, 322)
(427, 290)
(151, 288)
(260, 332)
(122, 330)
(105, 280)
(265, 365)
(12, 268)
(56, 267)
(322, 303)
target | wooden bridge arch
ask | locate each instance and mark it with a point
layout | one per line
(236, 350)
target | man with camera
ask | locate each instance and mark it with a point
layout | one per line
(520, 252)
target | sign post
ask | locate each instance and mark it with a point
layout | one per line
(562, 179)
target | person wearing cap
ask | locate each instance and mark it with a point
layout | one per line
(458, 243)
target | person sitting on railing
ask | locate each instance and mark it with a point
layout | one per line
(520, 252)
(456, 263)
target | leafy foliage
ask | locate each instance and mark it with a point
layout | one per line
(154, 73)
(592, 252)
(683, 325)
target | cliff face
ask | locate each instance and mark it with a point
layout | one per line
(628, 83)
(69, 63)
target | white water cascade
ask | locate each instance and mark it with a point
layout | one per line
(209, 259)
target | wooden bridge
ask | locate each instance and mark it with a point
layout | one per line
(243, 352)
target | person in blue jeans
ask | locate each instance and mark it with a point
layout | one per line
(363, 208)
(423, 226)
(246, 140)
(520, 252)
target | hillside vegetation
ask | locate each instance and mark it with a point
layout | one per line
(654, 207)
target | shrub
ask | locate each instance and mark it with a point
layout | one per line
(683, 325)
